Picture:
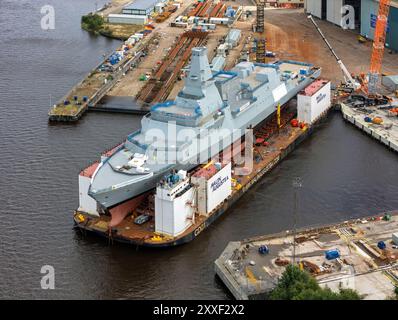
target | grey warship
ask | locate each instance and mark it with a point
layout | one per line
(210, 106)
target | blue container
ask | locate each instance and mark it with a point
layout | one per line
(85, 98)
(303, 71)
(368, 119)
(381, 245)
(263, 249)
(332, 254)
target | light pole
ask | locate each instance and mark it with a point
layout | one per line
(297, 184)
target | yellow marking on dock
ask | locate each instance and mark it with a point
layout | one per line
(102, 225)
(250, 275)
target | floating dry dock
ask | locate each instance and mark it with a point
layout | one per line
(185, 214)
(367, 258)
(129, 232)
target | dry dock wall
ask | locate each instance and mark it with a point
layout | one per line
(225, 274)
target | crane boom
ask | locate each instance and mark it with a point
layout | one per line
(348, 79)
(378, 45)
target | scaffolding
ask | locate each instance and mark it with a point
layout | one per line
(260, 16)
(260, 50)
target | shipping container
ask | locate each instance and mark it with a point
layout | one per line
(213, 187)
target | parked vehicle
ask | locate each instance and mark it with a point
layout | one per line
(142, 219)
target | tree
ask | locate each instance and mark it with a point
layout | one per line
(92, 22)
(299, 285)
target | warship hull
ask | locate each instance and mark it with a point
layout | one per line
(226, 103)
(114, 197)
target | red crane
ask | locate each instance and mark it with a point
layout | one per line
(379, 41)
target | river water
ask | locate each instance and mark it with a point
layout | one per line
(345, 174)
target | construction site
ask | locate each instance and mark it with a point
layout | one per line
(150, 63)
(361, 254)
(146, 61)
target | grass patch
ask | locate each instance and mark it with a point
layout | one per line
(120, 31)
(65, 110)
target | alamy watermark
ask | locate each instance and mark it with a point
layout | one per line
(348, 17)
(189, 146)
(47, 21)
(48, 279)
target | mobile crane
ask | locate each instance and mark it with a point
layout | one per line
(349, 81)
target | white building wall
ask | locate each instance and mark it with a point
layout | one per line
(314, 7)
(173, 217)
(218, 187)
(183, 212)
(127, 19)
(86, 203)
(164, 216)
(333, 11)
(309, 108)
(200, 185)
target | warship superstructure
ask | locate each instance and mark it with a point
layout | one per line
(183, 133)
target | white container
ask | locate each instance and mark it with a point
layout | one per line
(218, 188)
(211, 192)
(395, 238)
(311, 104)
(219, 20)
(174, 209)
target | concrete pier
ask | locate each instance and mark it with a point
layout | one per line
(73, 111)
(386, 133)
(367, 261)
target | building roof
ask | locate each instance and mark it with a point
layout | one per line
(141, 4)
(314, 87)
(127, 16)
(234, 35)
(393, 78)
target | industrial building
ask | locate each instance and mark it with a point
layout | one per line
(141, 7)
(391, 82)
(330, 10)
(365, 16)
(233, 37)
(285, 3)
(127, 19)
